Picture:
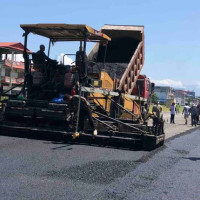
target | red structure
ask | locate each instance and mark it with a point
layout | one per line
(142, 87)
(8, 47)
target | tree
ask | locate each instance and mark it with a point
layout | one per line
(154, 98)
(189, 100)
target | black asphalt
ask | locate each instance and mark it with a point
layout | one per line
(39, 169)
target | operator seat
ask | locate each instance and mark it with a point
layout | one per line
(42, 67)
(42, 87)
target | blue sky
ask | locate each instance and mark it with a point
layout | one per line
(172, 31)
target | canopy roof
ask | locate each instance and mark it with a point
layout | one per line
(9, 47)
(65, 32)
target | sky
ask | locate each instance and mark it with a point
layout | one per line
(172, 31)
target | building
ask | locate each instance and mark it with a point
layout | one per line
(17, 74)
(11, 71)
(180, 95)
(164, 93)
(191, 94)
(183, 96)
(168, 95)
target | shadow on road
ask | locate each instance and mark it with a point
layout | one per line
(98, 143)
(67, 140)
(192, 158)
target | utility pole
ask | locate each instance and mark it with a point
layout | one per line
(11, 71)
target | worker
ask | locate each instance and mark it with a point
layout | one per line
(39, 59)
(172, 112)
(198, 109)
(43, 56)
(157, 110)
(186, 113)
(157, 117)
(84, 113)
(194, 113)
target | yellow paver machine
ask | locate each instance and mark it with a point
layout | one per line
(108, 78)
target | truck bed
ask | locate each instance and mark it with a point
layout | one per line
(124, 56)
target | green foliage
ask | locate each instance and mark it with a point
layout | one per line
(189, 100)
(166, 108)
(154, 98)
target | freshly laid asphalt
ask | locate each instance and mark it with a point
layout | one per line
(171, 173)
(39, 169)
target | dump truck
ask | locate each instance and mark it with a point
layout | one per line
(109, 78)
(123, 62)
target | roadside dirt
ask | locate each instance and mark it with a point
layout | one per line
(179, 126)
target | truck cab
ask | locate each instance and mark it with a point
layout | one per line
(142, 87)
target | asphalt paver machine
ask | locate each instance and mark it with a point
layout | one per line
(34, 111)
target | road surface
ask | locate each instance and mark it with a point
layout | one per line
(38, 169)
